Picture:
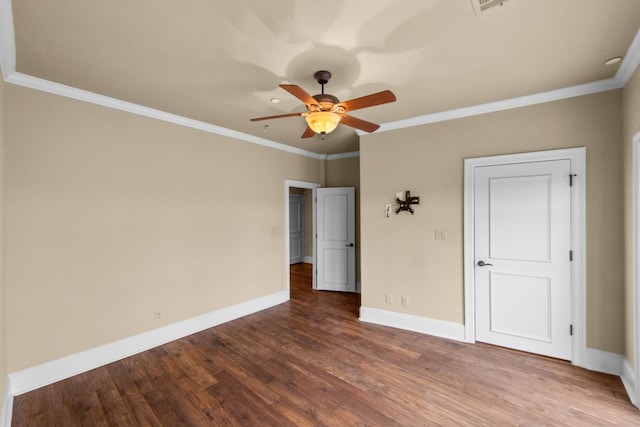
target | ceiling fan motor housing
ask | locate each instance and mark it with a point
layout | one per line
(326, 102)
(322, 76)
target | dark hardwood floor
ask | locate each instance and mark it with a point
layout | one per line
(310, 362)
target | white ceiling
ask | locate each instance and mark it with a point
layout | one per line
(220, 61)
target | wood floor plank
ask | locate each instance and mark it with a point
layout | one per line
(131, 383)
(310, 362)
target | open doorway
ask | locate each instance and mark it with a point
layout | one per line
(300, 226)
(300, 256)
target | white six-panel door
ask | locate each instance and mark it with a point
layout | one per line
(522, 236)
(336, 239)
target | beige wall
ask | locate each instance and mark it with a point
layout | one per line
(3, 288)
(400, 255)
(112, 216)
(346, 173)
(631, 123)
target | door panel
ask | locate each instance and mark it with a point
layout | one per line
(296, 229)
(519, 220)
(521, 306)
(336, 239)
(522, 226)
(336, 268)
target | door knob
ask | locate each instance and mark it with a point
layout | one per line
(350, 245)
(482, 263)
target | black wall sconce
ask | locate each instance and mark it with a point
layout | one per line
(405, 205)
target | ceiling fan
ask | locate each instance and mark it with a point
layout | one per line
(325, 112)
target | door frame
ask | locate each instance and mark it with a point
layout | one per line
(577, 156)
(635, 397)
(291, 183)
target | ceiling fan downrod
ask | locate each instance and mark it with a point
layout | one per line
(322, 77)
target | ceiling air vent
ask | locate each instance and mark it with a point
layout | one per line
(480, 6)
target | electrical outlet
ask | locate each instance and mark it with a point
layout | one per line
(157, 316)
(388, 298)
(404, 301)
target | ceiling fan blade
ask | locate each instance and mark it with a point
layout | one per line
(308, 133)
(369, 100)
(276, 117)
(359, 123)
(299, 93)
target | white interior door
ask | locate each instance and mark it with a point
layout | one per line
(296, 229)
(336, 252)
(522, 251)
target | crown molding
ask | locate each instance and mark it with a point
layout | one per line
(8, 68)
(339, 156)
(7, 39)
(629, 65)
(630, 62)
(507, 104)
(118, 104)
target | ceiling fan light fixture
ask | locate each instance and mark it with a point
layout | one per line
(323, 122)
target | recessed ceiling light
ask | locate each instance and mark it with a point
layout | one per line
(613, 61)
(275, 100)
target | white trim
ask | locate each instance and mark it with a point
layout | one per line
(409, 322)
(308, 259)
(629, 65)
(630, 62)
(288, 184)
(7, 39)
(117, 104)
(577, 156)
(6, 411)
(507, 104)
(628, 378)
(56, 370)
(635, 209)
(603, 361)
(339, 156)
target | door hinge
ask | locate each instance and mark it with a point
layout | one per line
(571, 175)
(571, 330)
(570, 255)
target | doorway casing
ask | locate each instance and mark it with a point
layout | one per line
(577, 156)
(288, 184)
(634, 388)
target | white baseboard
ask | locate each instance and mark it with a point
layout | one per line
(629, 380)
(6, 412)
(603, 361)
(409, 322)
(56, 370)
(308, 259)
